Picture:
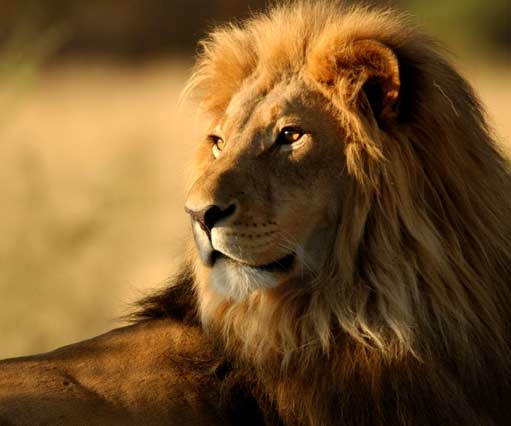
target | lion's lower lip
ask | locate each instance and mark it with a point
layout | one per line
(281, 265)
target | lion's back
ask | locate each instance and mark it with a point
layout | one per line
(151, 373)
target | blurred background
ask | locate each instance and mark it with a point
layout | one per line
(94, 151)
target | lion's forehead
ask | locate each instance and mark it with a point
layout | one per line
(258, 105)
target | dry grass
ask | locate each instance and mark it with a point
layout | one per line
(93, 160)
(91, 187)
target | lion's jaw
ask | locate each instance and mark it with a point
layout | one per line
(285, 205)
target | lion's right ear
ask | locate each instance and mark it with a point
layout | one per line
(362, 69)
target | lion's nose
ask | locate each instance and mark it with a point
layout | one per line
(209, 216)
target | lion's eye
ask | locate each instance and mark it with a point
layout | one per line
(218, 144)
(289, 135)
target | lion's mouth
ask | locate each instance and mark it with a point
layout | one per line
(284, 264)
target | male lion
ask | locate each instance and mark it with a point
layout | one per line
(352, 260)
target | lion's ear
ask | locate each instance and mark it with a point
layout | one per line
(364, 69)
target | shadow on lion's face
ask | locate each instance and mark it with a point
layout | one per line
(266, 206)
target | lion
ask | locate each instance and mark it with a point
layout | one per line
(351, 254)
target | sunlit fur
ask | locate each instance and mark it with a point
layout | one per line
(416, 293)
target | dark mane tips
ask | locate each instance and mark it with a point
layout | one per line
(176, 300)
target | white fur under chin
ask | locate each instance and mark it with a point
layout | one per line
(236, 281)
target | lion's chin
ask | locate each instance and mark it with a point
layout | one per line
(236, 280)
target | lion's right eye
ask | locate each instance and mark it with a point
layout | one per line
(218, 144)
(289, 135)
(290, 138)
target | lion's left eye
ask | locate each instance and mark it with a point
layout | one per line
(289, 135)
(218, 144)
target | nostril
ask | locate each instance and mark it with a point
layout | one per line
(211, 215)
(214, 214)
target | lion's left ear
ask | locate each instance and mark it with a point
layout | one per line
(364, 68)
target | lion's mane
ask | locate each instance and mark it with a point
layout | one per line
(410, 318)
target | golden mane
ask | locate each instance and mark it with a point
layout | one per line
(420, 277)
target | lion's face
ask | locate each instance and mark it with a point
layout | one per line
(266, 205)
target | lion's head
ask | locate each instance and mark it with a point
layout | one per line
(347, 182)
(282, 152)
